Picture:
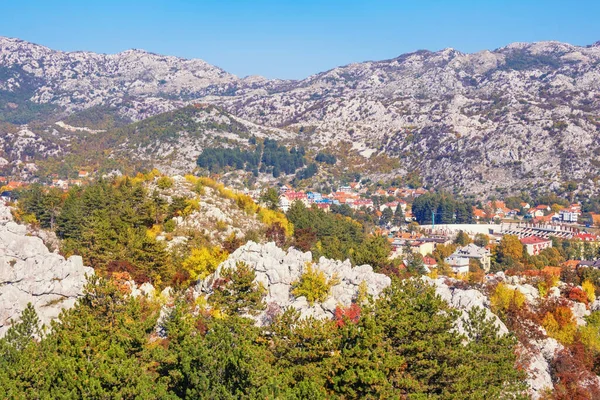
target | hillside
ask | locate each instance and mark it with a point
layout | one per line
(525, 115)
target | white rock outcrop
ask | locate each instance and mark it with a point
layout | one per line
(277, 269)
(30, 273)
(464, 300)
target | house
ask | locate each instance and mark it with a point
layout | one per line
(360, 203)
(12, 185)
(430, 262)
(60, 183)
(479, 213)
(345, 189)
(393, 191)
(314, 197)
(589, 264)
(422, 248)
(473, 251)
(416, 246)
(570, 214)
(525, 206)
(534, 212)
(391, 205)
(285, 188)
(586, 237)
(324, 206)
(83, 174)
(287, 198)
(459, 265)
(534, 244)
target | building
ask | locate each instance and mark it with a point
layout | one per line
(314, 197)
(459, 265)
(430, 262)
(469, 251)
(534, 244)
(570, 214)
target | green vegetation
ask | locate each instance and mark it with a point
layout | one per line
(336, 236)
(447, 210)
(313, 284)
(267, 156)
(326, 158)
(400, 346)
(15, 105)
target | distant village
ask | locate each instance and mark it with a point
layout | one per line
(534, 226)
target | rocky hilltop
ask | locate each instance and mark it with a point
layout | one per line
(277, 270)
(30, 273)
(522, 115)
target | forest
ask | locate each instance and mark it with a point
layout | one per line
(443, 207)
(267, 156)
(401, 345)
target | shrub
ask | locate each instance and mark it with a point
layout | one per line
(576, 294)
(164, 182)
(204, 261)
(271, 217)
(589, 289)
(560, 325)
(313, 284)
(246, 203)
(347, 314)
(191, 205)
(169, 226)
(503, 298)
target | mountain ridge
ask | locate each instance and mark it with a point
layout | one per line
(491, 121)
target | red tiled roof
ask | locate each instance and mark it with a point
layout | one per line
(534, 240)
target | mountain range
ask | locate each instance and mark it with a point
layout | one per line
(524, 116)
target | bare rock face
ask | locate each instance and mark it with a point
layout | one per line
(277, 269)
(524, 114)
(464, 300)
(30, 273)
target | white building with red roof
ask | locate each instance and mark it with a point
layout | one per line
(534, 244)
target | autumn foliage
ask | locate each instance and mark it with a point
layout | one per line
(347, 314)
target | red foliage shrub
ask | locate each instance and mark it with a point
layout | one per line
(276, 233)
(576, 294)
(136, 274)
(305, 239)
(524, 323)
(571, 370)
(232, 243)
(343, 314)
(180, 277)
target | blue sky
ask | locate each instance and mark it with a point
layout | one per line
(293, 39)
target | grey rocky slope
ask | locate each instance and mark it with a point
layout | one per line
(30, 273)
(277, 269)
(524, 114)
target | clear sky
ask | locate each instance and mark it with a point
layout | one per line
(294, 39)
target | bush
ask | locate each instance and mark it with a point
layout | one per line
(313, 284)
(576, 294)
(590, 291)
(169, 226)
(204, 261)
(271, 217)
(560, 325)
(164, 182)
(503, 298)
